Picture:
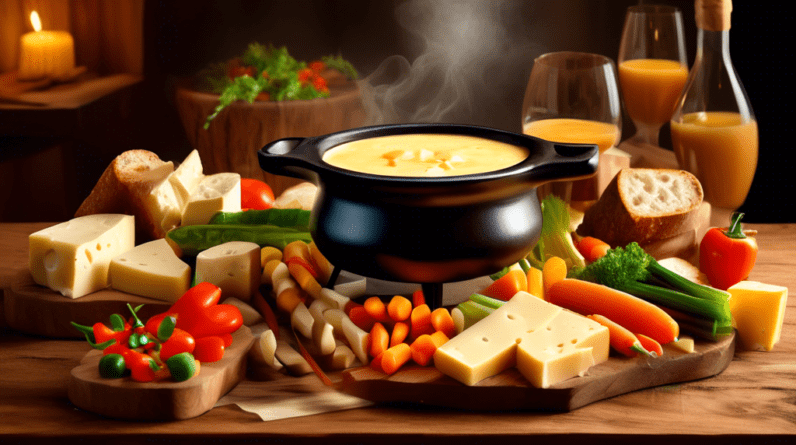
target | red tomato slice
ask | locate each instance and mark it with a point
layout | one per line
(255, 195)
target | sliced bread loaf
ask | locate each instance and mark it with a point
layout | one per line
(644, 205)
(125, 186)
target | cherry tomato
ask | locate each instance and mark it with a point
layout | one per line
(255, 194)
(209, 349)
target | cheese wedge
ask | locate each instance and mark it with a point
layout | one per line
(163, 208)
(489, 346)
(186, 178)
(215, 193)
(233, 266)
(758, 311)
(73, 257)
(567, 347)
(151, 270)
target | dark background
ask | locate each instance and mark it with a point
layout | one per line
(482, 50)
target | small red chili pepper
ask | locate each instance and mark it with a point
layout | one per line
(142, 366)
(209, 349)
(199, 313)
(305, 76)
(179, 341)
(727, 255)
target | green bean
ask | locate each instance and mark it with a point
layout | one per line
(295, 218)
(190, 240)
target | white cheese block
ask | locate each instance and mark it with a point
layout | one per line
(150, 270)
(215, 193)
(233, 266)
(73, 257)
(186, 178)
(489, 346)
(568, 346)
(163, 207)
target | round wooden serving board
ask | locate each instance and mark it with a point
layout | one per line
(37, 310)
(165, 400)
(509, 390)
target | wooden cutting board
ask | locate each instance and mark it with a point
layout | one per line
(37, 310)
(165, 400)
(510, 390)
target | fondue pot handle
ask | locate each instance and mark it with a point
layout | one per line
(288, 157)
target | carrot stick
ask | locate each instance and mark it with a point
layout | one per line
(622, 340)
(268, 314)
(592, 248)
(379, 339)
(376, 309)
(360, 317)
(399, 308)
(631, 312)
(375, 364)
(424, 347)
(288, 299)
(399, 333)
(650, 344)
(418, 299)
(553, 271)
(420, 321)
(535, 282)
(441, 320)
(395, 357)
(506, 286)
(304, 278)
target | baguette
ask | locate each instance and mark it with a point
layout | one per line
(644, 205)
(125, 186)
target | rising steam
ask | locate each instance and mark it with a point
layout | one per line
(468, 50)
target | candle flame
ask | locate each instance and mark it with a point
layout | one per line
(35, 21)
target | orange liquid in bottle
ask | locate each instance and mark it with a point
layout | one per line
(650, 88)
(717, 146)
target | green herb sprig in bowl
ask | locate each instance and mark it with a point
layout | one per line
(265, 72)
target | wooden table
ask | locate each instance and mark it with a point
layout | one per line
(751, 402)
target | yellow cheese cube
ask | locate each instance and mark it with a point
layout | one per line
(567, 347)
(758, 310)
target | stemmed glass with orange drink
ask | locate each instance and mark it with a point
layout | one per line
(652, 68)
(573, 97)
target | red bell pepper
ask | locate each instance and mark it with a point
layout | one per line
(199, 313)
(727, 255)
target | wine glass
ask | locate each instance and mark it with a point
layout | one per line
(652, 68)
(573, 97)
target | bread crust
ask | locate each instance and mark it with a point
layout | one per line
(617, 219)
(124, 187)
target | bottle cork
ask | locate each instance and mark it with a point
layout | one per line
(713, 15)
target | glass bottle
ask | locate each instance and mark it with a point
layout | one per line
(714, 131)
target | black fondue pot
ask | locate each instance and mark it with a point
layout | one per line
(428, 230)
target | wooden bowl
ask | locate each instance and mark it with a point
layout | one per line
(231, 142)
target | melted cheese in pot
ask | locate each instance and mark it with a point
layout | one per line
(419, 155)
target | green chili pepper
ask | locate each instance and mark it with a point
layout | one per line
(182, 366)
(112, 366)
(288, 218)
(193, 239)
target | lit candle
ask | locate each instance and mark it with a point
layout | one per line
(45, 53)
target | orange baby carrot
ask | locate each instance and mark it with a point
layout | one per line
(441, 320)
(361, 318)
(633, 313)
(379, 339)
(395, 357)
(650, 344)
(424, 347)
(376, 309)
(399, 308)
(535, 282)
(553, 271)
(622, 340)
(506, 286)
(420, 321)
(592, 248)
(375, 364)
(399, 333)
(418, 299)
